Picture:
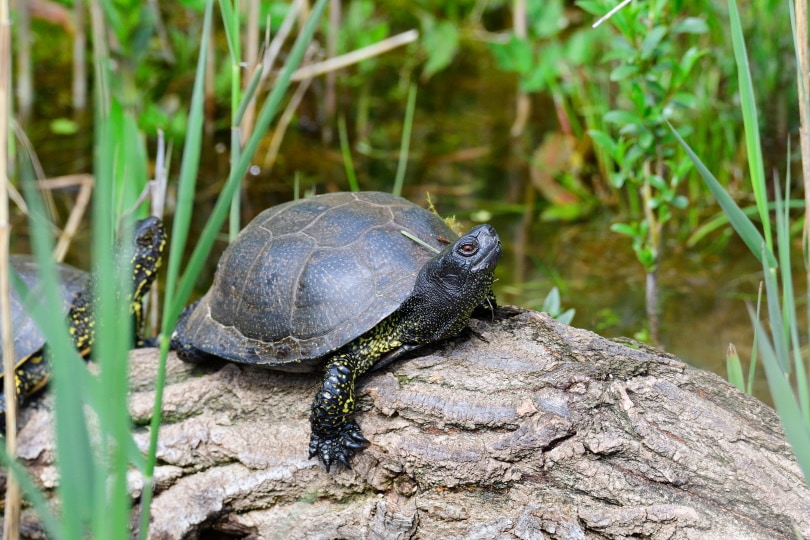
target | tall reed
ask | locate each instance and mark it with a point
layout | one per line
(95, 448)
(780, 346)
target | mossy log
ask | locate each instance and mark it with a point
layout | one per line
(522, 428)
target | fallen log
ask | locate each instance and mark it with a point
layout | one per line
(526, 428)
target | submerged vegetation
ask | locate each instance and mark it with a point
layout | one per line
(648, 119)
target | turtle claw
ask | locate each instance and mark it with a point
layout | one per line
(340, 448)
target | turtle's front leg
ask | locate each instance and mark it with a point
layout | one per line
(29, 378)
(335, 435)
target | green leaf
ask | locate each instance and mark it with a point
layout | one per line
(748, 105)
(688, 60)
(624, 71)
(734, 371)
(272, 12)
(651, 40)
(744, 227)
(647, 256)
(646, 141)
(536, 79)
(515, 55)
(567, 316)
(690, 25)
(564, 212)
(604, 141)
(64, 126)
(624, 228)
(622, 52)
(441, 44)
(658, 183)
(618, 179)
(679, 201)
(552, 302)
(685, 100)
(622, 118)
(634, 153)
(594, 7)
(582, 47)
(784, 399)
(545, 18)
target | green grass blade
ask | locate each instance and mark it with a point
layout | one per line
(75, 465)
(405, 144)
(796, 431)
(33, 494)
(734, 372)
(188, 173)
(720, 220)
(113, 269)
(752, 366)
(780, 343)
(235, 210)
(783, 244)
(248, 94)
(749, 110)
(346, 152)
(182, 219)
(744, 226)
(265, 117)
(230, 20)
(176, 298)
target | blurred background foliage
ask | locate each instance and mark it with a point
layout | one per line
(526, 116)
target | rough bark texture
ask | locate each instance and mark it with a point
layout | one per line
(528, 429)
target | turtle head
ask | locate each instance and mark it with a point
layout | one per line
(147, 254)
(454, 282)
(464, 263)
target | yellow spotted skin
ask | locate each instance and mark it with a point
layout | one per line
(33, 370)
(335, 435)
(330, 283)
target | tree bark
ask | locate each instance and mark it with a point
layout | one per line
(524, 428)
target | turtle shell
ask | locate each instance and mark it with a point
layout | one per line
(306, 277)
(27, 336)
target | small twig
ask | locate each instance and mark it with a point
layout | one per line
(85, 182)
(611, 13)
(146, 193)
(419, 241)
(17, 198)
(11, 525)
(286, 118)
(251, 48)
(39, 171)
(64, 181)
(275, 46)
(159, 187)
(348, 59)
(405, 143)
(803, 82)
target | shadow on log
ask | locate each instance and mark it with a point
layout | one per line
(527, 429)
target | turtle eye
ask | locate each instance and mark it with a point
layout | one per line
(468, 248)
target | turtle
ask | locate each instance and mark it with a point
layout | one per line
(76, 288)
(331, 284)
